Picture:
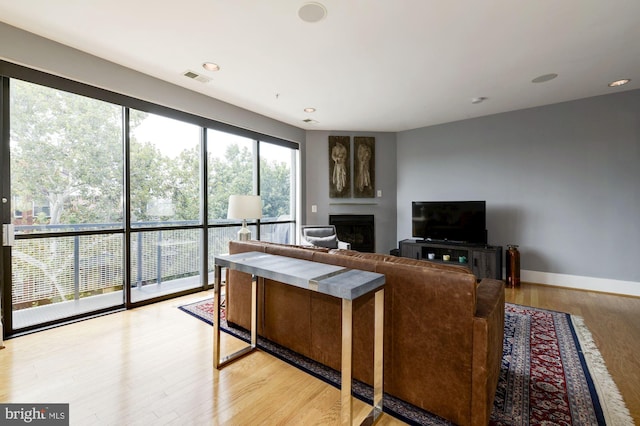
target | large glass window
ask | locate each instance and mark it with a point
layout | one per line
(87, 240)
(164, 191)
(66, 162)
(165, 170)
(277, 190)
(231, 171)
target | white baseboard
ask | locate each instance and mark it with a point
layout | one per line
(606, 285)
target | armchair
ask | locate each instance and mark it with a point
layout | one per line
(322, 236)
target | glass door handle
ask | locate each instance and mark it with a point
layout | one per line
(8, 231)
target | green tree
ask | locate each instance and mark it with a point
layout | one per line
(186, 184)
(275, 188)
(231, 175)
(150, 175)
(66, 152)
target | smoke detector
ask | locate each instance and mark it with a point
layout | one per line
(195, 76)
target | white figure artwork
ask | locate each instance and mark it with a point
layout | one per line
(339, 157)
(363, 177)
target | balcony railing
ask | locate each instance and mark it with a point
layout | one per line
(49, 269)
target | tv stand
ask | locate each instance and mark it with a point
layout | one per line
(485, 261)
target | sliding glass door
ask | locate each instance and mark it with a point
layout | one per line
(66, 204)
(113, 206)
(165, 208)
(278, 176)
(231, 170)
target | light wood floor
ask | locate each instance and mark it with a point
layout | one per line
(153, 365)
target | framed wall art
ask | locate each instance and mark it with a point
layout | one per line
(364, 164)
(339, 167)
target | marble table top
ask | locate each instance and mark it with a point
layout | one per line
(332, 280)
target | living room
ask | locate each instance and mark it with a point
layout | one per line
(578, 159)
(559, 180)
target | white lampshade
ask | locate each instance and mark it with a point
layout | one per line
(244, 207)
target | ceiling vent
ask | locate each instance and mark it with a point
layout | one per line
(197, 77)
(310, 121)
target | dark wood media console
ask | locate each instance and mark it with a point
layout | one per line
(485, 261)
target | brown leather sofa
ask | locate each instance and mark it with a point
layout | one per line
(443, 331)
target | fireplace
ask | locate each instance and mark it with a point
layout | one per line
(357, 229)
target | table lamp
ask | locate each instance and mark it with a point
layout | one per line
(244, 207)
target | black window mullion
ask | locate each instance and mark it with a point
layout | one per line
(5, 208)
(256, 183)
(126, 214)
(204, 207)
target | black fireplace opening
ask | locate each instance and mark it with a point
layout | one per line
(356, 229)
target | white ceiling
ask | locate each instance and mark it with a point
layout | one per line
(371, 65)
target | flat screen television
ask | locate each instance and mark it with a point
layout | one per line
(452, 221)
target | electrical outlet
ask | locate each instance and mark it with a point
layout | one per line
(314, 208)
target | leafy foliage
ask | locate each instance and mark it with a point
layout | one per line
(67, 155)
(66, 152)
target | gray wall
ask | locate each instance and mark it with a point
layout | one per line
(561, 181)
(316, 183)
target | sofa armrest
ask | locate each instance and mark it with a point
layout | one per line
(488, 336)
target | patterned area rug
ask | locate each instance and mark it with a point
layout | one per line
(552, 373)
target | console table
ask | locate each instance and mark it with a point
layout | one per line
(347, 284)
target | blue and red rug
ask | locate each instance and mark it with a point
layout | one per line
(552, 373)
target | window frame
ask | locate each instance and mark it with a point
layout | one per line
(10, 70)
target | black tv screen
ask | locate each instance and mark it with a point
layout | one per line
(453, 221)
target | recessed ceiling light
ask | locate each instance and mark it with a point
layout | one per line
(619, 82)
(544, 78)
(210, 66)
(312, 12)
(309, 110)
(478, 100)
